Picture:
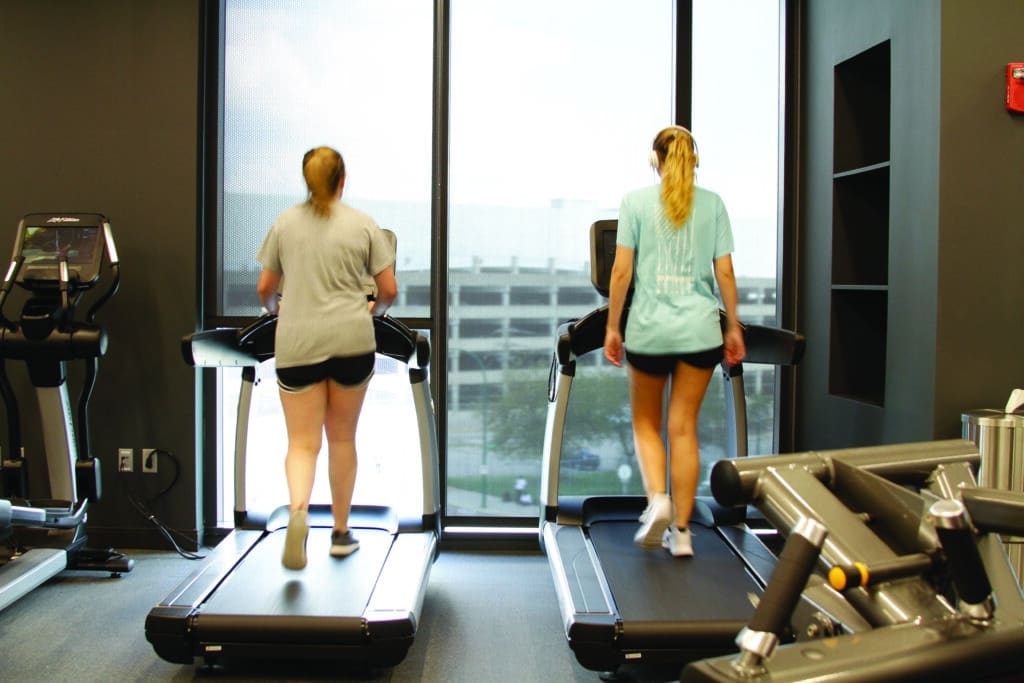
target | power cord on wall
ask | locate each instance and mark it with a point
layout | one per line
(143, 506)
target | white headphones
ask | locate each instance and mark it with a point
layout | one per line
(693, 141)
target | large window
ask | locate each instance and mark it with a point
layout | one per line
(351, 74)
(355, 75)
(736, 99)
(552, 109)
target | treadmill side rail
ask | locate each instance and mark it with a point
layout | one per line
(397, 601)
(584, 600)
(200, 583)
(169, 623)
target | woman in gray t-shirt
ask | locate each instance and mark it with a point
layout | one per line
(317, 255)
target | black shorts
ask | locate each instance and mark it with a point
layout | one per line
(348, 371)
(665, 363)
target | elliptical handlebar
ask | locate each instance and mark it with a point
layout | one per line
(115, 272)
(5, 289)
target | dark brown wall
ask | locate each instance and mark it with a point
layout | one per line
(981, 225)
(953, 238)
(100, 114)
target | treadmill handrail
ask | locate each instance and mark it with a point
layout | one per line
(768, 345)
(575, 338)
(253, 343)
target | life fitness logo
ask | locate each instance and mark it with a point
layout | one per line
(64, 219)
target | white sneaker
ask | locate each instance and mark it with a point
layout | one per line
(654, 521)
(294, 556)
(647, 510)
(678, 543)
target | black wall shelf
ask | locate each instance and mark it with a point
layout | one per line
(862, 107)
(858, 345)
(860, 226)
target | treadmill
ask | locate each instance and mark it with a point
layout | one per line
(364, 608)
(618, 602)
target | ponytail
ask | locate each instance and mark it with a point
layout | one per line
(677, 157)
(323, 168)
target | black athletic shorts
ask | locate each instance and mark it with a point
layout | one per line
(348, 371)
(664, 364)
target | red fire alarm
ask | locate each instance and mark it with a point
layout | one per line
(1015, 86)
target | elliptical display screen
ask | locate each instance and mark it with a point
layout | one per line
(44, 247)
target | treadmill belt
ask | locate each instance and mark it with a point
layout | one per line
(653, 586)
(327, 587)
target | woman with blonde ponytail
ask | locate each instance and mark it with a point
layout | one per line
(674, 243)
(676, 160)
(316, 258)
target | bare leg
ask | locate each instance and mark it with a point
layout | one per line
(689, 384)
(304, 419)
(343, 407)
(645, 397)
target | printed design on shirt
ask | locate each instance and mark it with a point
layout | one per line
(674, 274)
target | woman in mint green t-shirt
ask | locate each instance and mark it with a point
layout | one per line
(674, 241)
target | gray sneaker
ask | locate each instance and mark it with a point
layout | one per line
(343, 543)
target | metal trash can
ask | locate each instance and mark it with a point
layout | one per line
(999, 436)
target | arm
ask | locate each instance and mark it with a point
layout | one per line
(735, 349)
(618, 287)
(387, 290)
(267, 288)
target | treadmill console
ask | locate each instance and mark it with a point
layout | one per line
(46, 240)
(602, 254)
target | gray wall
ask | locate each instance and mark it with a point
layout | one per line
(100, 114)
(981, 213)
(955, 154)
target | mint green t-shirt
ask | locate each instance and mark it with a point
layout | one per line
(674, 308)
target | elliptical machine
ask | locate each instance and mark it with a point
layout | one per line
(56, 258)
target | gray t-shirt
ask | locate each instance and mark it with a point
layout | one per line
(324, 264)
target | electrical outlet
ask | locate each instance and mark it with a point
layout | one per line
(149, 460)
(124, 459)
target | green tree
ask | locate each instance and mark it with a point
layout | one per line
(515, 420)
(598, 412)
(598, 415)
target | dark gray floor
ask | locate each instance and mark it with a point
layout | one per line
(487, 617)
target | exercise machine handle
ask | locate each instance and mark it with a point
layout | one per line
(796, 563)
(115, 273)
(5, 289)
(861, 575)
(963, 559)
